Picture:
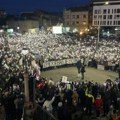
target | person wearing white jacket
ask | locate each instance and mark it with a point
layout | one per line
(48, 104)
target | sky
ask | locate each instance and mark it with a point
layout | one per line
(17, 6)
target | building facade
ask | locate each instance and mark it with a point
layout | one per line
(22, 25)
(45, 18)
(106, 13)
(76, 18)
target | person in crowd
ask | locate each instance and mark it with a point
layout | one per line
(98, 105)
(19, 102)
(83, 71)
(56, 48)
(89, 102)
(115, 115)
(9, 106)
(40, 100)
(60, 111)
(79, 64)
(48, 104)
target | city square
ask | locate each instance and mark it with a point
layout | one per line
(60, 62)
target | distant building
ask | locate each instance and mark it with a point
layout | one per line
(76, 18)
(106, 13)
(22, 25)
(104, 0)
(3, 16)
(45, 18)
(30, 20)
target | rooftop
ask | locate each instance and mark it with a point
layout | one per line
(76, 9)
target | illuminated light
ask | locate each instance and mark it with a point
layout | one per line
(106, 3)
(81, 33)
(84, 23)
(57, 30)
(32, 30)
(18, 28)
(1, 31)
(88, 30)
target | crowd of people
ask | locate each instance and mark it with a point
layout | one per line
(73, 97)
(76, 100)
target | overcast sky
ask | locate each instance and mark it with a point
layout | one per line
(17, 6)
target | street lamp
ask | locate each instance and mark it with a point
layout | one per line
(24, 52)
(99, 18)
(106, 3)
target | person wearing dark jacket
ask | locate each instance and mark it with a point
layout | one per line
(9, 106)
(79, 64)
(83, 71)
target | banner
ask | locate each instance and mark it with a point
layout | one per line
(100, 67)
(59, 62)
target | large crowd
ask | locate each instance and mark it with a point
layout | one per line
(61, 99)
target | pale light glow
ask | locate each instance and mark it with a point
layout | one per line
(81, 33)
(106, 3)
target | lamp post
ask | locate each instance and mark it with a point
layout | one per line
(26, 88)
(98, 39)
(99, 19)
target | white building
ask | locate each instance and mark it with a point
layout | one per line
(106, 13)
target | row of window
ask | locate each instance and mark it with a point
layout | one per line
(84, 16)
(75, 23)
(106, 11)
(106, 23)
(106, 16)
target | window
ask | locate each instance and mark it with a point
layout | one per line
(108, 10)
(98, 23)
(67, 23)
(104, 11)
(109, 16)
(77, 16)
(67, 17)
(84, 22)
(95, 16)
(104, 17)
(99, 16)
(84, 16)
(118, 10)
(73, 23)
(95, 11)
(118, 22)
(114, 10)
(114, 22)
(101, 22)
(110, 22)
(77, 22)
(104, 22)
(118, 16)
(95, 22)
(73, 16)
(99, 11)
